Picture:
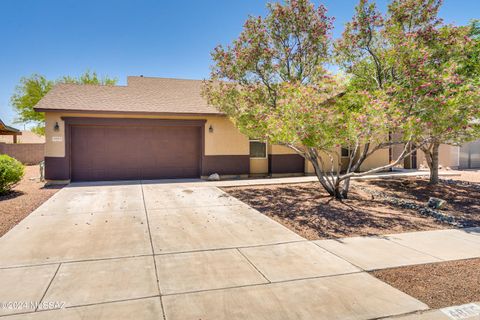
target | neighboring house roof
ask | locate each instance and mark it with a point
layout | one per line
(141, 95)
(24, 137)
(7, 130)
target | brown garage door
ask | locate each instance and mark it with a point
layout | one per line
(134, 152)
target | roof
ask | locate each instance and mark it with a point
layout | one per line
(24, 137)
(141, 95)
(7, 130)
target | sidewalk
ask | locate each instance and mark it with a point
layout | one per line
(404, 249)
(403, 173)
(469, 311)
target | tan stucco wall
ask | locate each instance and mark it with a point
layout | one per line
(224, 140)
(309, 167)
(448, 156)
(259, 166)
(377, 159)
(277, 149)
(54, 141)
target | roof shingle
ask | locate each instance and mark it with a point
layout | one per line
(141, 95)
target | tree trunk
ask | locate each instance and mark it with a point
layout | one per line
(338, 185)
(434, 163)
(338, 190)
(345, 188)
(321, 178)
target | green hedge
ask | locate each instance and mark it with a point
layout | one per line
(11, 172)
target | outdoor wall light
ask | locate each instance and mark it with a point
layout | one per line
(56, 127)
(210, 129)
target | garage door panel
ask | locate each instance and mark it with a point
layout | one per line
(135, 152)
(470, 155)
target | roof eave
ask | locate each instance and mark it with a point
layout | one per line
(131, 112)
(8, 129)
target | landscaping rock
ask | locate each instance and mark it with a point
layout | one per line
(214, 177)
(430, 211)
(436, 203)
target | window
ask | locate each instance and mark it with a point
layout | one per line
(345, 152)
(258, 149)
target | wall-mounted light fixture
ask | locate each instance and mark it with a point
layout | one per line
(56, 127)
(210, 129)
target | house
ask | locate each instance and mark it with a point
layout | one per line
(154, 128)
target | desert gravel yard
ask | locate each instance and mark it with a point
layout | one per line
(28, 195)
(438, 285)
(306, 209)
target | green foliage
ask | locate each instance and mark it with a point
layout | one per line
(11, 172)
(27, 94)
(272, 82)
(422, 69)
(259, 80)
(89, 78)
(471, 67)
(31, 89)
(39, 129)
(406, 72)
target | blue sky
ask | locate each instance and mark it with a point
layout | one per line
(149, 37)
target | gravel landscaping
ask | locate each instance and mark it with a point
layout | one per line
(28, 195)
(374, 207)
(438, 285)
(462, 197)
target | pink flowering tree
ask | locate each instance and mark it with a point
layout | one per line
(416, 65)
(273, 84)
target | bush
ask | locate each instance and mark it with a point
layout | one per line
(11, 172)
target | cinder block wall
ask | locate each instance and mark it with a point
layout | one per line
(26, 153)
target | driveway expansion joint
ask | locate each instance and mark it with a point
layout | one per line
(48, 286)
(261, 284)
(153, 252)
(419, 251)
(253, 265)
(353, 264)
(229, 248)
(75, 261)
(111, 301)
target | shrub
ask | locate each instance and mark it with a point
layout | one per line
(11, 172)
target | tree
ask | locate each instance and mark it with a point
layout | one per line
(273, 85)
(431, 60)
(89, 78)
(31, 89)
(27, 94)
(472, 65)
(415, 63)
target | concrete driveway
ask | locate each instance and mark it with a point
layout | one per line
(166, 251)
